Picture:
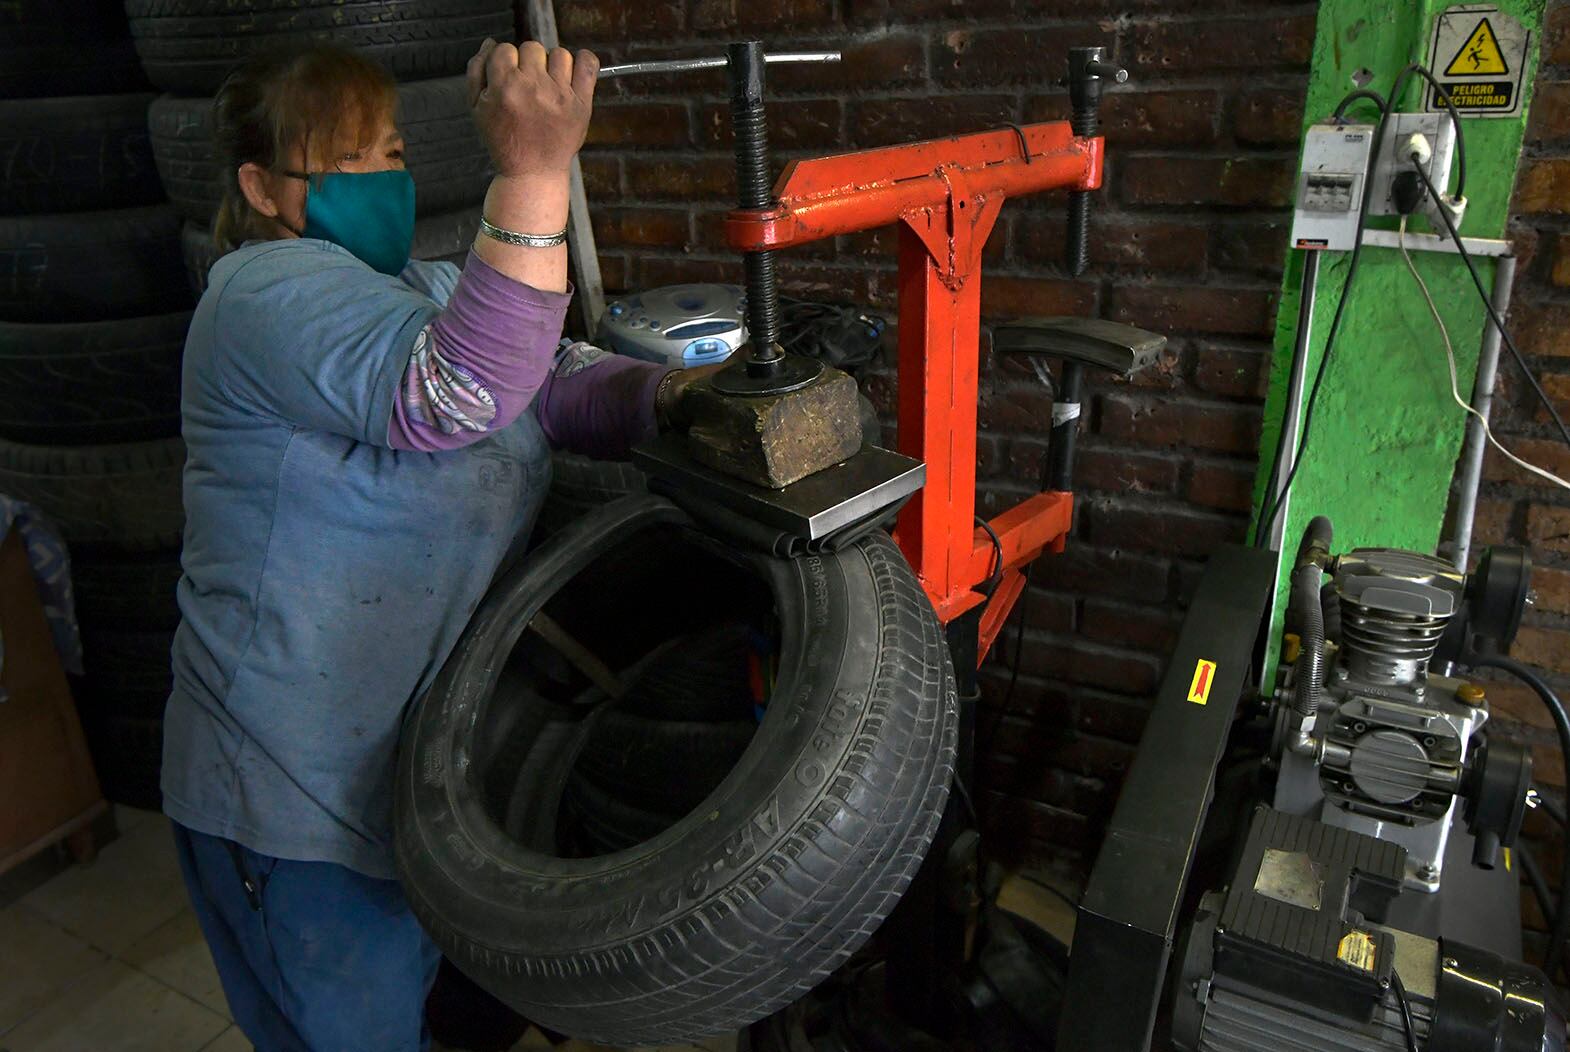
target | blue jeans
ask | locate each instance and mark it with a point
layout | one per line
(313, 957)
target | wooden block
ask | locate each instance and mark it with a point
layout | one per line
(777, 439)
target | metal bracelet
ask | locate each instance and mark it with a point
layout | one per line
(662, 406)
(512, 237)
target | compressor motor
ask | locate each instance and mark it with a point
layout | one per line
(1369, 737)
(1334, 929)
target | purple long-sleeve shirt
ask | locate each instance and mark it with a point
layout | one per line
(480, 363)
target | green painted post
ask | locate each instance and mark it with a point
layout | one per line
(1386, 433)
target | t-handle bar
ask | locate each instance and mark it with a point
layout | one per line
(685, 65)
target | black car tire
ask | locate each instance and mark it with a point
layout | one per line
(702, 678)
(126, 671)
(69, 383)
(119, 498)
(127, 754)
(442, 150)
(121, 701)
(91, 266)
(116, 591)
(579, 484)
(75, 153)
(607, 823)
(734, 911)
(189, 46)
(51, 48)
(668, 766)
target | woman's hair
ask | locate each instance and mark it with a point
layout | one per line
(319, 98)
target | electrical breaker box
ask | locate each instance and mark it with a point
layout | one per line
(1331, 184)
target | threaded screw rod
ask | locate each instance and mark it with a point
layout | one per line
(754, 189)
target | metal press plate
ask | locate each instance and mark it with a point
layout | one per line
(815, 507)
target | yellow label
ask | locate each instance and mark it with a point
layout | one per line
(1479, 55)
(1199, 687)
(1357, 949)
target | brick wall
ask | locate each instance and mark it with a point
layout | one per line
(1190, 234)
(1514, 507)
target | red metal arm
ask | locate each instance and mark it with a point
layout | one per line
(946, 195)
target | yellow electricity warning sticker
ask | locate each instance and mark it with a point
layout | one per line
(1478, 54)
(1357, 949)
(1199, 686)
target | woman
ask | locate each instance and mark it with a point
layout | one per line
(367, 436)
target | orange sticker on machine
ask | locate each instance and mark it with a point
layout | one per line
(1204, 675)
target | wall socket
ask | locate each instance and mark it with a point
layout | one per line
(1399, 128)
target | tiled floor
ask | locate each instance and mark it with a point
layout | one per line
(107, 957)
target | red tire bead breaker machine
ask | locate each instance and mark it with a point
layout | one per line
(946, 196)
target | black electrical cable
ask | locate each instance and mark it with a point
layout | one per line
(1556, 709)
(996, 576)
(984, 746)
(1362, 93)
(1536, 881)
(1406, 1010)
(1551, 807)
(1471, 268)
(1267, 518)
(843, 335)
(988, 587)
(1019, 650)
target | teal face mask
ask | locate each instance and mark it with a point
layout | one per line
(369, 213)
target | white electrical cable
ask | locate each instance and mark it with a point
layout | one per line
(1450, 358)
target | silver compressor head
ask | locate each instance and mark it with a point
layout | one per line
(1390, 739)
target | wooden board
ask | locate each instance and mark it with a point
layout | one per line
(46, 775)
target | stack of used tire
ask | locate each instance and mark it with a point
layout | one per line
(93, 314)
(189, 46)
(109, 193)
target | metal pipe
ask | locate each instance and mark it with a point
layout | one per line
(684, 65)
(1292, 413)
(541, 16)
(1304, 597)
(1482, 402)
(1419, 242)
(1065, 428)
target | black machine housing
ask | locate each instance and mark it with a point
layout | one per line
(1215, 920)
